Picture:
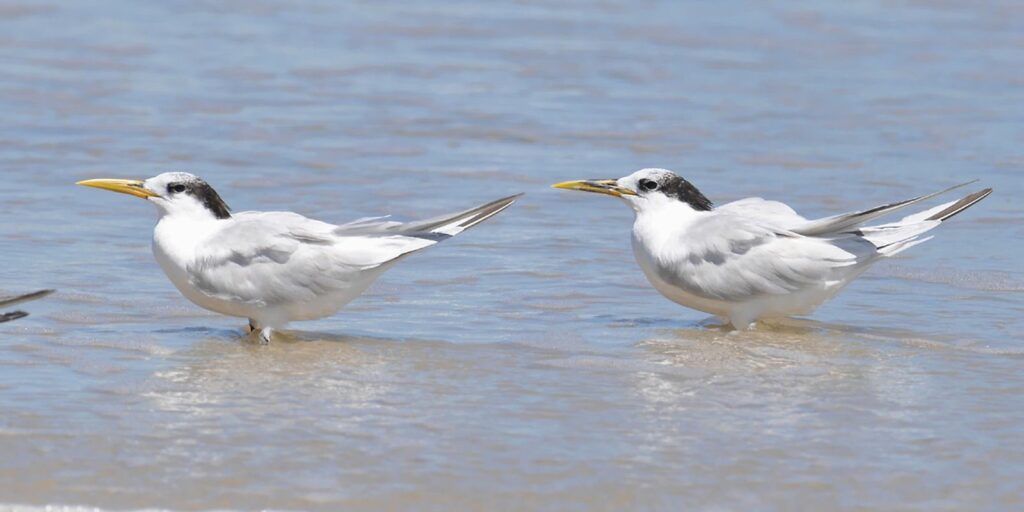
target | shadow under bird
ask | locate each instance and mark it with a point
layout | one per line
(275, 267)
(6, 302)
(752, 259)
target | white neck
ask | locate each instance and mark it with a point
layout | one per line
(661, 225)
(177, 236)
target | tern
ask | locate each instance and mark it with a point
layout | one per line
(275, 267)
(753, 258)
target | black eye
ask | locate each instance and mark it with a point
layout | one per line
(648, 185)
(175, 188)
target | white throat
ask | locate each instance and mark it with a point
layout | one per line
(178, 235)
(660, 225)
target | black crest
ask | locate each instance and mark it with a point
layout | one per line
(673, 186)
(204, 193)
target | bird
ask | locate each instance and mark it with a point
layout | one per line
(10, 301)
(275, 267)
(755, 259)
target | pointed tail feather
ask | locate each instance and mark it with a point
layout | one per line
(898, 247)
(447, 226)
(961, 205)
(395, 240)
(898, 236)
(842, 222)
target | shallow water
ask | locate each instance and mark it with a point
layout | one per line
(525, 364)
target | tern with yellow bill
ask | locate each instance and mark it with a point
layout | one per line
(752, 258)
(275, 267)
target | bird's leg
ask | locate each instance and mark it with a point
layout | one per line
(265, 334)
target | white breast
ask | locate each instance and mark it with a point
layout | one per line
(174, 247)
(649, 264)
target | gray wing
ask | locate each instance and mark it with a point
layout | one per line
(276, 257)
(769, 212)
(437, 228)
(757, 247)
(280, 257)
(847, 221)
(734, 258)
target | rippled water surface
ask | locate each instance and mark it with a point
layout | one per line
(525, 364)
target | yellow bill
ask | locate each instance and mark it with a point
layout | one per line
(131, 187)
(609, 187)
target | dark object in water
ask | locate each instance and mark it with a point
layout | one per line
(10, 301)
(13, 315)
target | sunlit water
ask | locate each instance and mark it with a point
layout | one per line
(525, 364)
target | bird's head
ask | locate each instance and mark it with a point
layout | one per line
(173, 193)
(646, 189)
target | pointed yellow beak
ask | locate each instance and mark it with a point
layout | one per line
(609, 187)
(131, 187)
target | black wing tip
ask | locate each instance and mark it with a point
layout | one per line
(961, 205)
(38, 295)
(503, 202)
(512, 198)
(13, 315)
(498, 205)
(489, 210)
(26, 297)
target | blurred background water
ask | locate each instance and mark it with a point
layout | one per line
(525, 364)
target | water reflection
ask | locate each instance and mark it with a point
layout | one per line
(325, 369)
(711, 347)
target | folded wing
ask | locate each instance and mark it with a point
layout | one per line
(735, 258)
(760, 247)
(267, 258)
